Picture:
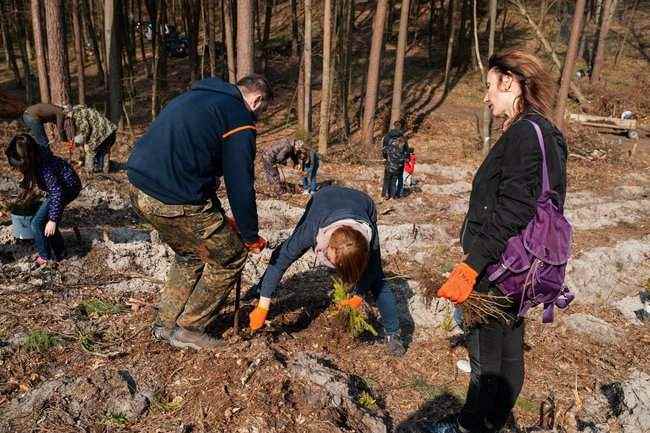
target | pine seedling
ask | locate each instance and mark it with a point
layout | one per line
(357, 321)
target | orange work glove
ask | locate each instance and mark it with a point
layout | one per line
(459, 285)
(257, 317)
(354, 302)
(257, 246)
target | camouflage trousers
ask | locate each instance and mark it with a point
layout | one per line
(272, 174)
(208, 262)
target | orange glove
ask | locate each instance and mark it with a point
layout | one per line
(257, 317)
(354, 302)
(257, 246)
(459, 285)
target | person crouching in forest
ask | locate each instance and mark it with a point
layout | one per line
(396, 132)
(38, 115)
(58, 179)
(279, 153)
(340, 224)
(94, 133)
(502, 203)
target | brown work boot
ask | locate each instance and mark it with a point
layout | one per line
(184, 338)
(160, 332)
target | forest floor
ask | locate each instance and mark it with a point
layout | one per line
(76, 353)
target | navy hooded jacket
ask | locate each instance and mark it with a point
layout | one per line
(328, 205)
(199, 136)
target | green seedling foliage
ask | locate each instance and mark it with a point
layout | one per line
(98, 307)
(160, 404)
(115, 420)
(41, 341)
(357, 322)
(447, 323)
(366, 401)
(526, 405)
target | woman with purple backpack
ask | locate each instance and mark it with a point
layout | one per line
(503, 202)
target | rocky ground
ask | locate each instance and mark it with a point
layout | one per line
(76, 353)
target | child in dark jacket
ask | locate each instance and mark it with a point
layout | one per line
(54, 176)
(340, 225)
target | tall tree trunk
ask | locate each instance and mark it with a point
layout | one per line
(191, 16)
(79, 52)
(93, 38)
(245, 41)
(66, 55)
(267, 31)
(599, 51)
(143, 53)
(300, 95)
(396, 112)
(323, 133)
(23, 42)
(628, 22)
(230, 43)
(157, 14)
(55, 52)
(307, 71)
(39, 46)
(345, 54)
(295, 43)
(374, 66)
(208, 11)
(453, 24)
(487, 116)
(8, 42)
(113, 59)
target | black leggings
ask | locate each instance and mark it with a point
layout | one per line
(497, 359)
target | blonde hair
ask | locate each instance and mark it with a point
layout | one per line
(537, 85)
(351, 249)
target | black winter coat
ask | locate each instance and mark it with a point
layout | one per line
(506, 187)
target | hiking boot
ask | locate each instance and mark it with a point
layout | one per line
(183, 338)
(159, 332)
(394, 345)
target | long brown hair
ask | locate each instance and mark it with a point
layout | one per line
(351, 249)
(537, 85)
(23, 154)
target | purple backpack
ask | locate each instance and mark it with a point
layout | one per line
(532, 267)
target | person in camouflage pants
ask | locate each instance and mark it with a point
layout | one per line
(94, 133)
(209, 260)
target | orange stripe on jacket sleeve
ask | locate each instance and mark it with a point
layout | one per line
(236, 130)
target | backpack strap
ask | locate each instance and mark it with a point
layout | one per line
(540, 139)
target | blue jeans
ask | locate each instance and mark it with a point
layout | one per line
(309, 181)
(385, 300)
(37, 130)
(51, 247)
(400, 185)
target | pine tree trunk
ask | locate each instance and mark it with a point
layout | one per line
(374, 66)
(113, 59)
(599, 50)
(323, 133)
(245, 40)
(66, 55)
(39, 46)
(267, 31)
(487, 116)
(230, 43)
(345, 49)
(79, 53)
(295, 42)
(453, 25)
(300, 95)
(157, 14)
(55, 52)
(143, 53)
(191, 14)
(23, 42)
(569, 62)
(396, 107)
(93, 38)
(307, 71)
(8, 43)
(209, 36)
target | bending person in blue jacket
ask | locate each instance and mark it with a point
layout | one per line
(340, 224)
(201, 135)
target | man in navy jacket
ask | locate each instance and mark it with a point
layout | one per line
(201, 135)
